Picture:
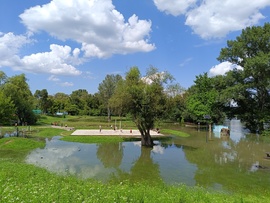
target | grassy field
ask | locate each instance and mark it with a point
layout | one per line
(86, 122)
(21, 182)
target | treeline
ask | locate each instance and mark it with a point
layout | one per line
(243, 92)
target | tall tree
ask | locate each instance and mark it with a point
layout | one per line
(176, 102)
(204, 98)
(18, 90)
(145, 99)
(81, 98)
(251, 87)
(106, 90)
(7, 109)
(42, 97)
(61, 102)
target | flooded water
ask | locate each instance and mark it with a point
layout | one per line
(230, 163)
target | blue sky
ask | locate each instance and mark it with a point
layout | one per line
(66, 45)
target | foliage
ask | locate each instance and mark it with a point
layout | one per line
(3, 78)
(7, 109)
(106, 90)
(176, 107)
(42, 100)
(249, 86)
(59, 103)
(204, 98)
(143, 98)
(80, 99)
(18, 90)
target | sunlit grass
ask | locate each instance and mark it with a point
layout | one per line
(93, 139)
(48, 132)
(18, 144)
(174, 132)
(86, 122)
(21, 182)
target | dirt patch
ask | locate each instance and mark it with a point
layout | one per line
(9, 141)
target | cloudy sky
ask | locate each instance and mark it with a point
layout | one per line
(66, 45)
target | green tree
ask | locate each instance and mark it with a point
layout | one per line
(80, 98)
(61, 102)
(204, 98)
(117, 101)
(144, 98)
(251, 85)
(106, 90)
(176, 102)
(3, 78)
(18, 90)
(94, 104)
(7, 109)
(42, 99)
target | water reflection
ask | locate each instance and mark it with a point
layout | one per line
(238, 162)
(121, 160)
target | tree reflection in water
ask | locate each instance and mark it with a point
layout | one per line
(110, 154)
(143, 169)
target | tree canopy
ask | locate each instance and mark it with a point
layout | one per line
(18, 90)
(250, 86)
(106, 90)
(143, 98)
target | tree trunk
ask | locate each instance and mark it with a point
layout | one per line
(109, 114)
(147, 140)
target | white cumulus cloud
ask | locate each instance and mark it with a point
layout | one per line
(174, 7)
(223, 68)
(10, 46)
(96, 25)
(57, 61)
(215, 18)
(53, 62)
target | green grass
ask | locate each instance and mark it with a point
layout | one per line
(19, 144)
(86, 122)
(174, 132)
(93, 139)
(49, 132)
(21, 182)
(16, 148)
